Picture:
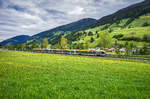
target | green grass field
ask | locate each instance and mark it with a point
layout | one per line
(33, 75)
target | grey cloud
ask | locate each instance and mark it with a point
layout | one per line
(55, 12)
(15, 7)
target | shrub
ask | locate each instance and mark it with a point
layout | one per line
(146, 37)
(110, 30)
(118, 36)
(92, 40)
(105, 27)
(0, 46)
(145, 24)
(98, 36)
(132, 39)
(90, 33)
(96, 32)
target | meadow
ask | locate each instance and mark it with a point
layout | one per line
(40, 76)
(126, 28)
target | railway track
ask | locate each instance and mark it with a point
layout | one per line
(106, 57)
(88, 55)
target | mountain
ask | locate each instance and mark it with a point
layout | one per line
(15, 40)
(133, 11)
(54, 34)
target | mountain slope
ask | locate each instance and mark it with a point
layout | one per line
(133, 11)
(136, 32)
(57, 32)
(15, 40)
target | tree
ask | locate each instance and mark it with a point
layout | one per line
(96, 32)
(128, 48)
(133, 48)
(118, 36)
(74, 45)
(145, 49)
(34, 45)
(90, 33)
(84, 33)
(86, 42)
(97, 35)
(10, 46)
(146, 37)
(28, 47)
(145, 24)
(18, 47)
(45, 43)
(110, 30)
(141, 51)
(116, 44)
(0, 46)
(81, 46)
(131, 45)
(105, 40)
(56, 46)
(63, 42)
(117, 50)
(92, 40)
(120, 45)
(126, 44)
(77, 45)
(23, 46)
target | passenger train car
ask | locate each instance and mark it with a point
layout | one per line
(72, 52)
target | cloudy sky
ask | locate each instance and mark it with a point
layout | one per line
(29, 17)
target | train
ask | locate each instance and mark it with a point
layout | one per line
(101, 53)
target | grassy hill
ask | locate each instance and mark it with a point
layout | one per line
(26, 75)
(129, 28)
